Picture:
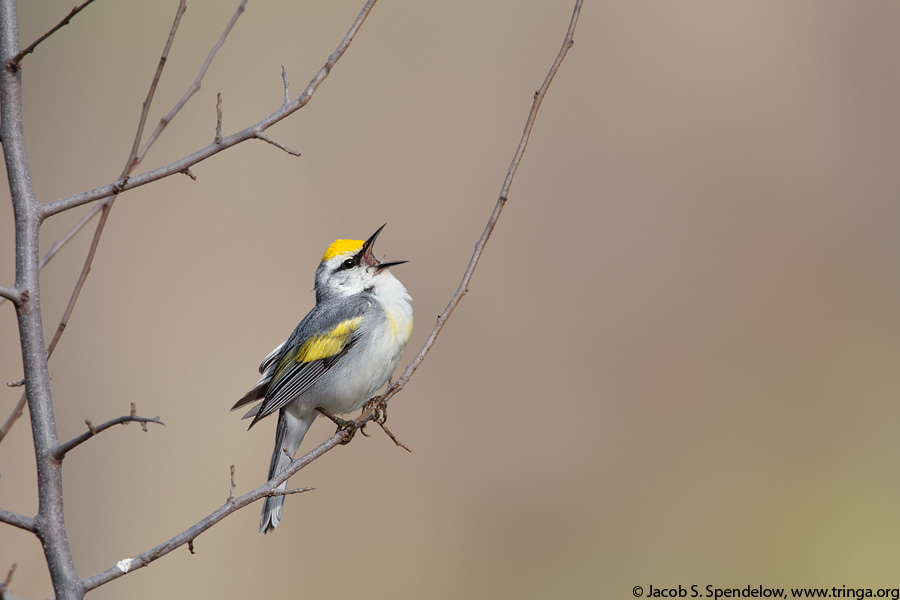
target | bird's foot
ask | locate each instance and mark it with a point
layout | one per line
(378, 406)
(346, 427)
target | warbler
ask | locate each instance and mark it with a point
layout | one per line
(339, 355)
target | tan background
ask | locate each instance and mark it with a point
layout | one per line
(678, 363)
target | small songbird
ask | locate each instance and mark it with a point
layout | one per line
(339, 355)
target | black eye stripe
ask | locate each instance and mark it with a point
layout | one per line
(348, 264)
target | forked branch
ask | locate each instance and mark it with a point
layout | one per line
(60, 451)
(124, 184)
(15, 60)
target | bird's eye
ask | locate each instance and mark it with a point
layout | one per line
(348, 264)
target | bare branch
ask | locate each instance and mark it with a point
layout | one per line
(270, 488)
(58, 244)
(190, 174)
(10, 294)
(145, 108)
(218, 138)
(106, 205)
(178, 166)
(134, 159)
(61, 450)
(6, 582)
(195, 85)
(16, 413)
(231, 491)
(392, 436)
(27, 219)
(492, 221)
(287, 87)
(17, 520)
(266, 138)
(292, 491)
(14, 62)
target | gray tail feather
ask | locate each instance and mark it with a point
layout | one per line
(288, 435)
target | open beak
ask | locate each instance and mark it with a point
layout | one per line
(369, 260)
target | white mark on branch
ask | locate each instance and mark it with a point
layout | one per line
(124, 565)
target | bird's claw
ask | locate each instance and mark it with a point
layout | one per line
(343, 425)
(376, 405)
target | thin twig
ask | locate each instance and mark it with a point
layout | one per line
(287, 87)
(231, 491)
(121, 185)
(58, 244)
(14, 62)
(392, 436)
(291, 491)
(60, 451)
(195, 85)
(134, 158)
(492, 221)
(218, 138)
(130, 163)
(6, 582)
(16, 413)
(266, 138)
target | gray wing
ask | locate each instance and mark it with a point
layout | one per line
(319, 342)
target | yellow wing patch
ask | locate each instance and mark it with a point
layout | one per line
(327, 344)
(342, 247)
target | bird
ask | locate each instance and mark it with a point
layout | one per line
(340, 354)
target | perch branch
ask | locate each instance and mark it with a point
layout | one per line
(233, 504)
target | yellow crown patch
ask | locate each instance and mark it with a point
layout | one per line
(342, 247)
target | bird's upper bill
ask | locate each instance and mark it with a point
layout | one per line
(360, 248)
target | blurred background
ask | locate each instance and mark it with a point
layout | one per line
(678, 361)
